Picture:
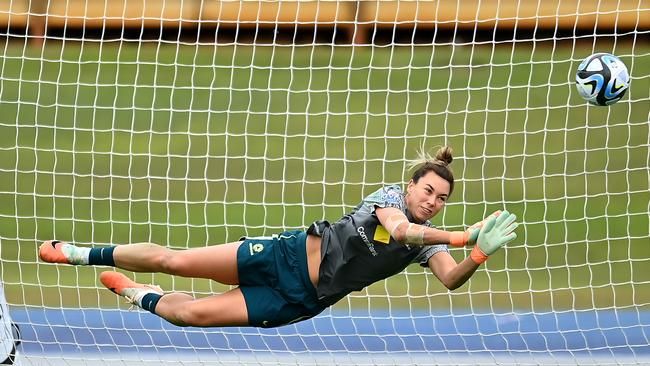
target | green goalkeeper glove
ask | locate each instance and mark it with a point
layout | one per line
(495, 233)
(475, 229)
(469, 236)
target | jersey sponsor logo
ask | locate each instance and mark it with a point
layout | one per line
(255, 248)
(369, 244)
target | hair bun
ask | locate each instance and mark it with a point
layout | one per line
(444, 155)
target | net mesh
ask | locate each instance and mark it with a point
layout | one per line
(190, 124)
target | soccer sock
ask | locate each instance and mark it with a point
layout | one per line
(149, 302)
(101, 256)
(75, 254)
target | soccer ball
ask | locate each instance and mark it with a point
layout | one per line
(602, 79)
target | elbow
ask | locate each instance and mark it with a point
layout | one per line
(451, 284)
(399, 234)
(400, 238)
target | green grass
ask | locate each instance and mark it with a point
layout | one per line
(197, 145)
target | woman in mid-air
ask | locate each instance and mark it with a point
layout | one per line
(295, 275)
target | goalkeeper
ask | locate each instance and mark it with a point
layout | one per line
(295, 275)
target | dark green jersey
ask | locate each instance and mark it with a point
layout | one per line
(357, 251)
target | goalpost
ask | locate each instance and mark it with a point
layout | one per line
(190, 124)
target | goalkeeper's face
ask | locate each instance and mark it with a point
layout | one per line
(426, 197)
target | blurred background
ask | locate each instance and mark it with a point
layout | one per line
(193, 123)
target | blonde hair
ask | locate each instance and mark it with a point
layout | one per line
(438, 163)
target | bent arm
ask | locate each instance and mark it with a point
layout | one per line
(405, 232)
(451, 274)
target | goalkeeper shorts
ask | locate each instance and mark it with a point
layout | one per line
(274, 279)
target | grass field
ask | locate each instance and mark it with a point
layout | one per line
(195, 145)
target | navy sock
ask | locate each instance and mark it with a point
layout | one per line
(101, 256)
(149, 302)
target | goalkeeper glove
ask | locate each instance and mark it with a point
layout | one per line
(469, 236)
(495, 233)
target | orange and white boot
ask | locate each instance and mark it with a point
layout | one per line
(132, 291)
(54, 251)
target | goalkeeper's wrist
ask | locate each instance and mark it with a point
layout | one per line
(477, 255)
(458, 238)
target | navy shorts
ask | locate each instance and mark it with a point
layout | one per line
(274, 279)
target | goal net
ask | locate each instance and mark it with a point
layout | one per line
(190, 124)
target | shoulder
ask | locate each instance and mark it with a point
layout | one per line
(391, 194)
(386, 196)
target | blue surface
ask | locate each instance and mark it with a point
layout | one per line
(576, 332)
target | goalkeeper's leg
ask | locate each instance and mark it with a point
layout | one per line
(227, 309)
(218, 262)
(223, 310)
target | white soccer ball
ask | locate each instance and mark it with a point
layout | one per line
(602, 79)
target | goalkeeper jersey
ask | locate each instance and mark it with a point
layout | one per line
(357, 251)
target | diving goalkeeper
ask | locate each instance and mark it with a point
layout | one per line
(295, 275)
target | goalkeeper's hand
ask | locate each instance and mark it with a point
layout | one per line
(495, 233)
(475, 229)
(470, 236)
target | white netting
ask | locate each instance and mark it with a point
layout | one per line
(193, 123)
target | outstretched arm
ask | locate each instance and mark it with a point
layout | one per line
(452, 274)
(497, 232)
(405, 232)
